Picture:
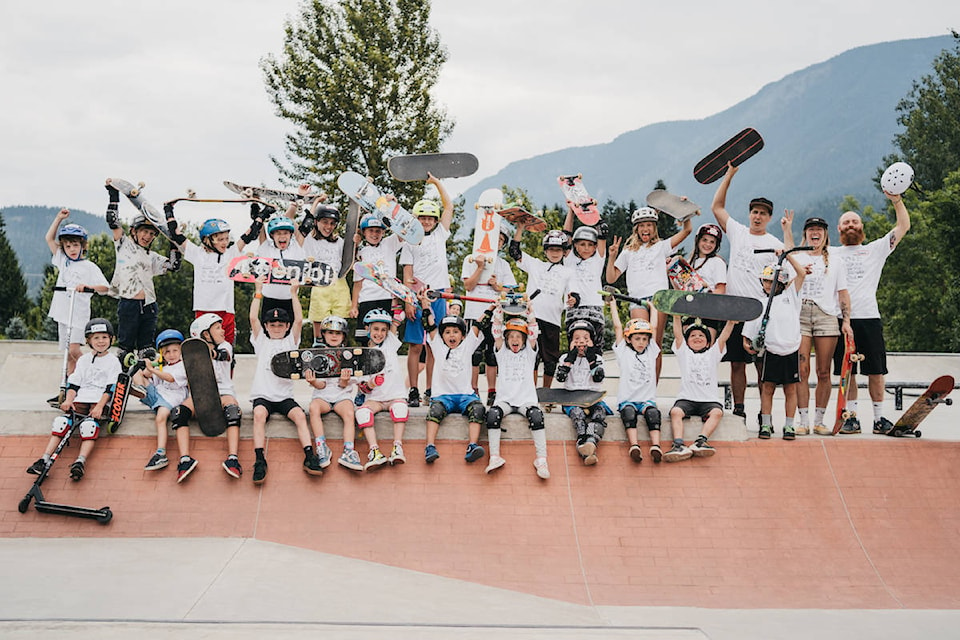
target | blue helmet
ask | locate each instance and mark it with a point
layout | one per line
(279, 223)
(371, 221)
(377, 315)
(168, 336)
(73, 231)
(212, 226)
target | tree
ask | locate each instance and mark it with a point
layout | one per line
(354, 80)
(13, 287)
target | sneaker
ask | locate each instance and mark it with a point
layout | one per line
(359, 399)
(766, 431)
(742, 413)
(311, 464)
(882, 426)
(850, 426)
(351, 460)
(185, 468)
(491, 398)
(801, 430)
(474, 452)
(789, 433)
(375, 459)
(678, 452)
(636, 453)
(324, 455)
(543, 471)
(495, 463)
(427, 396)
(55, 402)
(588, 451)
(76, 471)
(259, 471)
(232, 467)
(430, 454)
(396, 456)
(656, 453)
(138, 391)
(413, 398)
(158, 461)
(702, 449)
(822, 430)
(37, 467)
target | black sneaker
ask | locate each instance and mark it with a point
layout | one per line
(37, 467)
(232, 467)
(740, 412)
(311, 464)
(259, 471)
(882, 426)
(55, 402)
(158, 461)
(413, 398)
(491, 398)
(185, 468)
(850, 426)
(76, 471)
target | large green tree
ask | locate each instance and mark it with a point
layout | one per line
(354, 80)
(13, 287)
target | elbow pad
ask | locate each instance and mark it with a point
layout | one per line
(514, 250)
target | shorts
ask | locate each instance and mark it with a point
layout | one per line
(360, 333)
(413, 332)
(456, 402)
(692, 408)
(136, 324)
(69, 335)
(602, 405)
(735, 351)
(639, 406)
(329, 301)
(868, 336)
(283, 407)
(817, 323)
(228, 321)
(154, 400)
(549, 343)
(780, 369)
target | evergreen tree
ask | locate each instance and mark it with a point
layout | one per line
(13, 287)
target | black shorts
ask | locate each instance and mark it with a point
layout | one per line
(549, 347)
(735, 351)
(701, 410)
(362, 309)
(780, 369)
(868, 336)
(283, 407)
(486, 352)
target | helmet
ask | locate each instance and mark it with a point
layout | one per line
(769, 271)
(576, 325)
(141, 220)
(644, 214)
(98, 325)
(377, 315)
(72, 231)
(168, 336)
(203, 323)
(426, 208)
(697, 326)
(710, 229)
(279, 223)
(334, 323)
(516, 324)
(556, 238)
(637, 325)
(324, 211)
(212, 226)
(453, 321)
(371, 221)
(585, 233)
(276, 314)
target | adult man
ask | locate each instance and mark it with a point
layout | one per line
(864, 264)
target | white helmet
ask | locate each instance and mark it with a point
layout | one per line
(643, 214)
(203, 323)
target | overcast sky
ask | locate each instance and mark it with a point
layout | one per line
(171, 93)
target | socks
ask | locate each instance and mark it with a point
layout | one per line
(821, 411)
(802, 416)
(877, 411)
(766, 419)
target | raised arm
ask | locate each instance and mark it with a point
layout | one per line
(681, 235)
(612, 272)
(255, 326)
(297, 325)
(719, 206)
(615, 319)
(51, 236)
(786, 223)
(446, 217)
(903, 219)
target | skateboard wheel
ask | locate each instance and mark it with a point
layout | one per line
(917, 433)
(106, 516)
(347, 355)
(294, 376)
(948, 401)
(688, 297)
(23, 505)
(294, 354)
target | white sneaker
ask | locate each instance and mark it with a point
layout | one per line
(396, 456)
(495, 463)
(543, 470)
(801, 430)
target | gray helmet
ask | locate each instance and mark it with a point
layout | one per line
(585, 233)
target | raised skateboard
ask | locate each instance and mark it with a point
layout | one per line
(378, 274)
(486, 235)
(203, 386)
(710, 306)
(675, 206)
(760, 341)
(120, 397)
(439, 165)
(512, 303)
(523, 218)
(582, 203)
(327, 362)
(192, 197)
(352, 223)
(148, 210)
(850, 356)
(736, 151)
(362, 191)
(274, 196)
(359, 189)
(309, 273)
(567, 398)
(682, 276)
(935, 394)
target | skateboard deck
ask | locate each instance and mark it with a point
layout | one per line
(935, 394)
(486, 235)
(309, 273)
(582, 203)
(352, 223)
(850, 356)
(399, 220)
(273, 196)
(327, 362)
(682, 276)
(439, 165)
(566, 398)
(359, 190)
(521, 217)
(736, 151)
(711, 306)
(120, 397)
(203, 386)
(149, 211)
(377, 273)
(675, 206)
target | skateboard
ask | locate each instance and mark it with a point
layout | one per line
(349, 255)
(759, 342)
(935, 394)
(192, 197)
(675, 206)
(710, 306)
(378, 274)
(327, 362)
(275, 196)
(309, 273)
(486, 235)
(511, 303)
(203, 386)
(582, 203)
(366, 194)
(850, 356)
(439, 165)
(121, 394)
(566, 398)
(736, 151)
(521, 217)
(155, 218)
(682, 276)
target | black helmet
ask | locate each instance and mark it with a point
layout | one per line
(586, 325)
(98, 325)
(453, 321)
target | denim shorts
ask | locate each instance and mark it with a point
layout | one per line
(154, 400)
(456, 402)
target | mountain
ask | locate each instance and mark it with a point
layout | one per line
(826, 130)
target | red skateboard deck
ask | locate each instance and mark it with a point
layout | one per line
(935, 394)
(521, 217)
(736, 151)
(850, 356)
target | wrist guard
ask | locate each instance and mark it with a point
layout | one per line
(484, 321)
(576, 299)
(114, 193)
(513, 250)
(175, 260)
(221, 355)
(254, 231)
(308, 225)
(113, 219)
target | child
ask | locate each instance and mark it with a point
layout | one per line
(516, 350)
(270, 393)
(368, 295)
(780, 362)
(334, 394)
(89, 389)
(699, 392)
(166, 388)
(280, 247)
(637, 353)
(76, 276)
(385, 390)
(453, 346)
(133, 277)
(582, 370)
(317, 235)
(556, 284)
(587, 261)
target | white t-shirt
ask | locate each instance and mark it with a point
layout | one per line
(515, 385)
(588, 277)
(743, 274)
(501, 269)
(580, 377)
(334, 393)
(329, 253)
(783, 328)
(714, 271)
(822, 284)
(266, 384)
(646, 268)
(554, 281)
(93, 376)
(173, 392)
(638, 372)
(135, 270)
(452, 367)
(212, 289)
(393, 387)
(698, 373)
(73, 273)
(385, 252)
(221, 370)
(269, 250)
(429, 258)
(864, 265)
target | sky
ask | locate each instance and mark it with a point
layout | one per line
(171, 93)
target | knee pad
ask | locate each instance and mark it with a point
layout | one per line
(180, 416)
(89, 429)
(437, 412)
(629, 416)
(476, 412)
(60, 425)
(596, 428)
(579, 419)
(535, 418)
(399, 411)
(364, 417)
(233, 414)
(494, 417)
(653, 418)
(597, 414)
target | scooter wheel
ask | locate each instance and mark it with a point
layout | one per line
(917, 433)
(106, 516)
(24, 505)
